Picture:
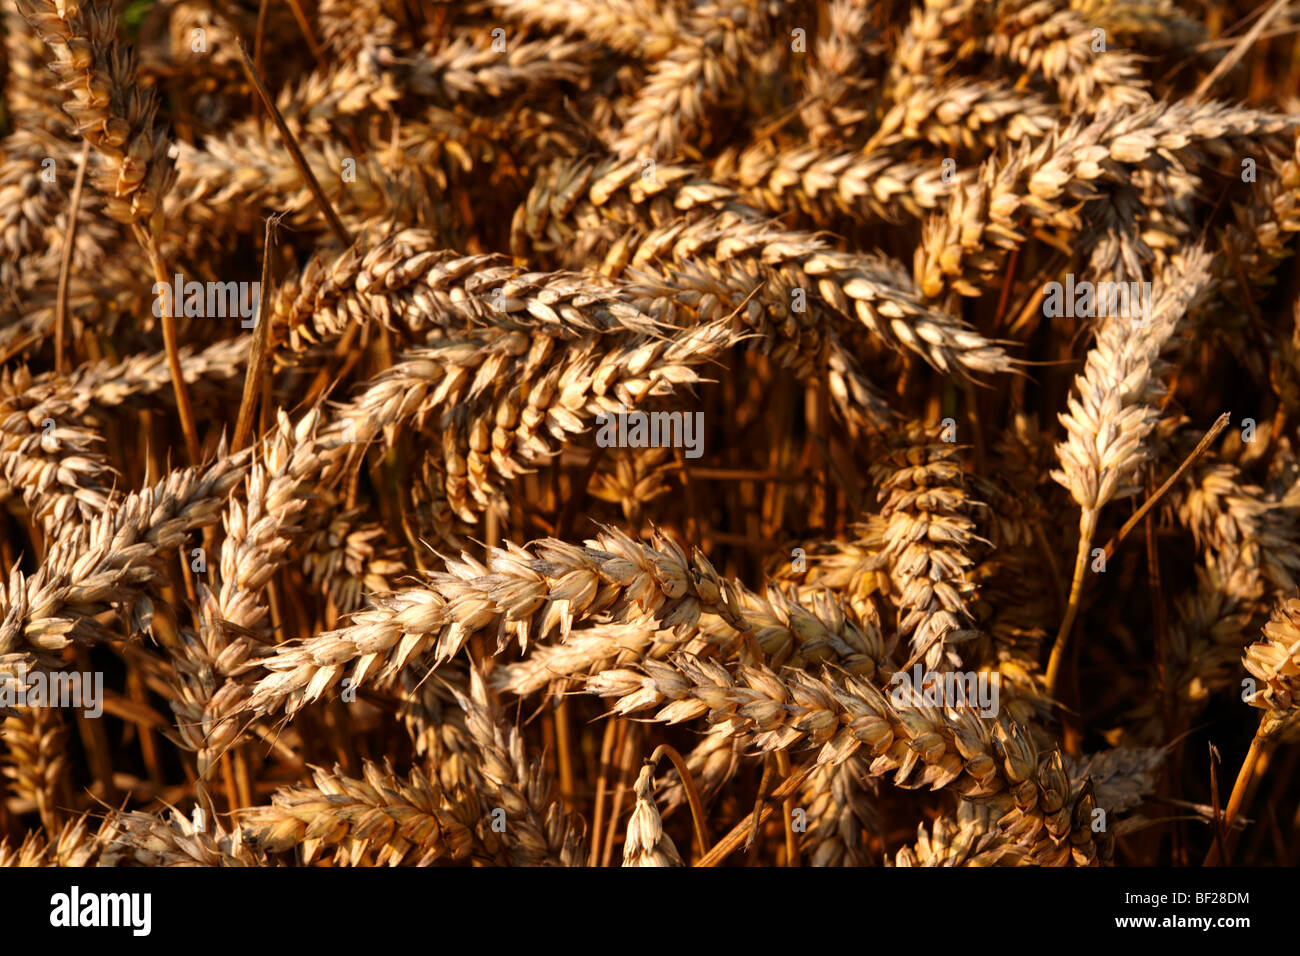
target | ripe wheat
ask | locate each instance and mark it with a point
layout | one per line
(383, 527)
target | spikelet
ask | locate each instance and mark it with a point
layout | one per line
(646, 843)
(110, 109)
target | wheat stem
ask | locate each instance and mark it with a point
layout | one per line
(183, 407)
(692, 794)
(1239, 788)
(1087, 527)
(65, 264)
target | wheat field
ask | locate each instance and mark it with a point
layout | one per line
(650, 433)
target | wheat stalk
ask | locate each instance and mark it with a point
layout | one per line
(1114, 413)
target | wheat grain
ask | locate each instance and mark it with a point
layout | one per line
(112, 112)
(646, 843)
(1275, 663)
